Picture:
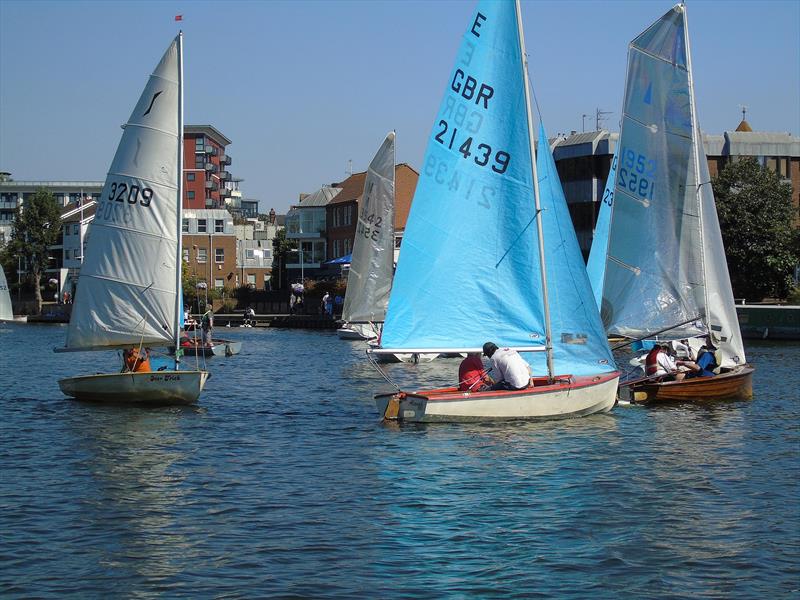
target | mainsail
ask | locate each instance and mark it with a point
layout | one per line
(469, 271)
(128, 287)
(666, 264)
(372, 263)
(596, 265)
(6, 313)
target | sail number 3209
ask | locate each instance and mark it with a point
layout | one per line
(121, 192)
(481, 153)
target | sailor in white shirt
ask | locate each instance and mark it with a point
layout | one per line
(509, 370)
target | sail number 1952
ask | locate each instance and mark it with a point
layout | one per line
(482, 154)
(637, 173)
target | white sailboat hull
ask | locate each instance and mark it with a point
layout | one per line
(353, 332)
(567, 398)
(156, 387)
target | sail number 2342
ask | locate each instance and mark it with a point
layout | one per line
(636, 173)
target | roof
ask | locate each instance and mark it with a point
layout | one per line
(319, 198)
(353, 186)
(208, 130)
(744, 126)
(747, 143)
(585, 144)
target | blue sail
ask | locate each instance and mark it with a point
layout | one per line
(579, 339)
(596, 266)
(468, 268)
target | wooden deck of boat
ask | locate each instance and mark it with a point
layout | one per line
(734, 385)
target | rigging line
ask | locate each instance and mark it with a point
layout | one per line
(531, 88)
(635, 270)
(655, 333)
(519, 235)
(381, 371)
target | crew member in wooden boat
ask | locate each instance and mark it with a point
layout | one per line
(660, 363)
(510, 369)
(706, 364)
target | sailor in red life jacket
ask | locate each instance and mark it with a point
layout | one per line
(472, 374)
(659, 363)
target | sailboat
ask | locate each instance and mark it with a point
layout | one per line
(6, 312)
(128, 293)
(665, 267)
(488, 242)
(372, 264)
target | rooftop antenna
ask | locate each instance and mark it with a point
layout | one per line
(583, 123)
(349, 169)
(744, 111)
(600, 116)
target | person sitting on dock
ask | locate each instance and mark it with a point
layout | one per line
(511, 370)
(136, 360)
(472, 374)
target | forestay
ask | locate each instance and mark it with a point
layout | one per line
(372, 264)
(127, 292)
(666, 263)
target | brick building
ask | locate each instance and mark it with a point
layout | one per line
(204, 167)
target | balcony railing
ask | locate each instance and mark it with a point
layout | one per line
(224, 159)
(212, 185)
(224, 175)
(211, 167)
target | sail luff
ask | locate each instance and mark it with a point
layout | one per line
(537, 203)
(179, 219)
(6, 313)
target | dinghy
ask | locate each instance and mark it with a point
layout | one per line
(665, 271)
(488, 242)
(6, 313)
(128, 294)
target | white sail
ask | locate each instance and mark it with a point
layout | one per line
(371, 268)
(6, 314)
(128, 287)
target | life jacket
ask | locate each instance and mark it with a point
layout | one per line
(137, 362)
(651, 362)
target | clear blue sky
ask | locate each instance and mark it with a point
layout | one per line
(302, 87)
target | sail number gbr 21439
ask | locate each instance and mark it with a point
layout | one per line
(122, 192)
(482, 154)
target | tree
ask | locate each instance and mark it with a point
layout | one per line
(280, 248)
(755, 213)
(37, 223)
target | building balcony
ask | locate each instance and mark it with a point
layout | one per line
(225, 193)
(210, 167)
(224, 175)
(224, 159)
(208, 149)
(212, 185)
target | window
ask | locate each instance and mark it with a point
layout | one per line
(219, 226)
(199, 161)
(251, 279)
(348, 215)
(190, 177)
(336, 246)
(185, 226)
(199, 143)
(219, 255)
(186, 255)
(336, 216)
(201, 226)
(202, 255)
(77, 229)
(249, 254)
(190, 195)
(219, 283)
(347, 246)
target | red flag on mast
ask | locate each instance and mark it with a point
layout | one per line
(179, 17)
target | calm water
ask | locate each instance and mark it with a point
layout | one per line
(283, 483)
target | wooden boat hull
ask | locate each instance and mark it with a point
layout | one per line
(156, 387)
(568, 397)
(733, 385)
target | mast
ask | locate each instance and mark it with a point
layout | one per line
(179, 220)
(539, 228)
(696, 153)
